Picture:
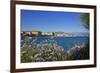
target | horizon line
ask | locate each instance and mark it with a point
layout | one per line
(56, 31)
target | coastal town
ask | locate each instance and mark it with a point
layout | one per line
(52, 34)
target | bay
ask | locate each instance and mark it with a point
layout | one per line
(64, 42)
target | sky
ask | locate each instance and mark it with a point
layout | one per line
(51, 21)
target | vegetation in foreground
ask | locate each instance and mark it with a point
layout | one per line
(51, 51)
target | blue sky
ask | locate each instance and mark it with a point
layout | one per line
(51, 21)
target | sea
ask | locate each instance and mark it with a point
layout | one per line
(64, 42)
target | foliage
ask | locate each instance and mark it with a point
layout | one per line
(85, 19)
(50, 51)
(79, 54)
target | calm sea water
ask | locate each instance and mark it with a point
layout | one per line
(65, 42)
(69, 42)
